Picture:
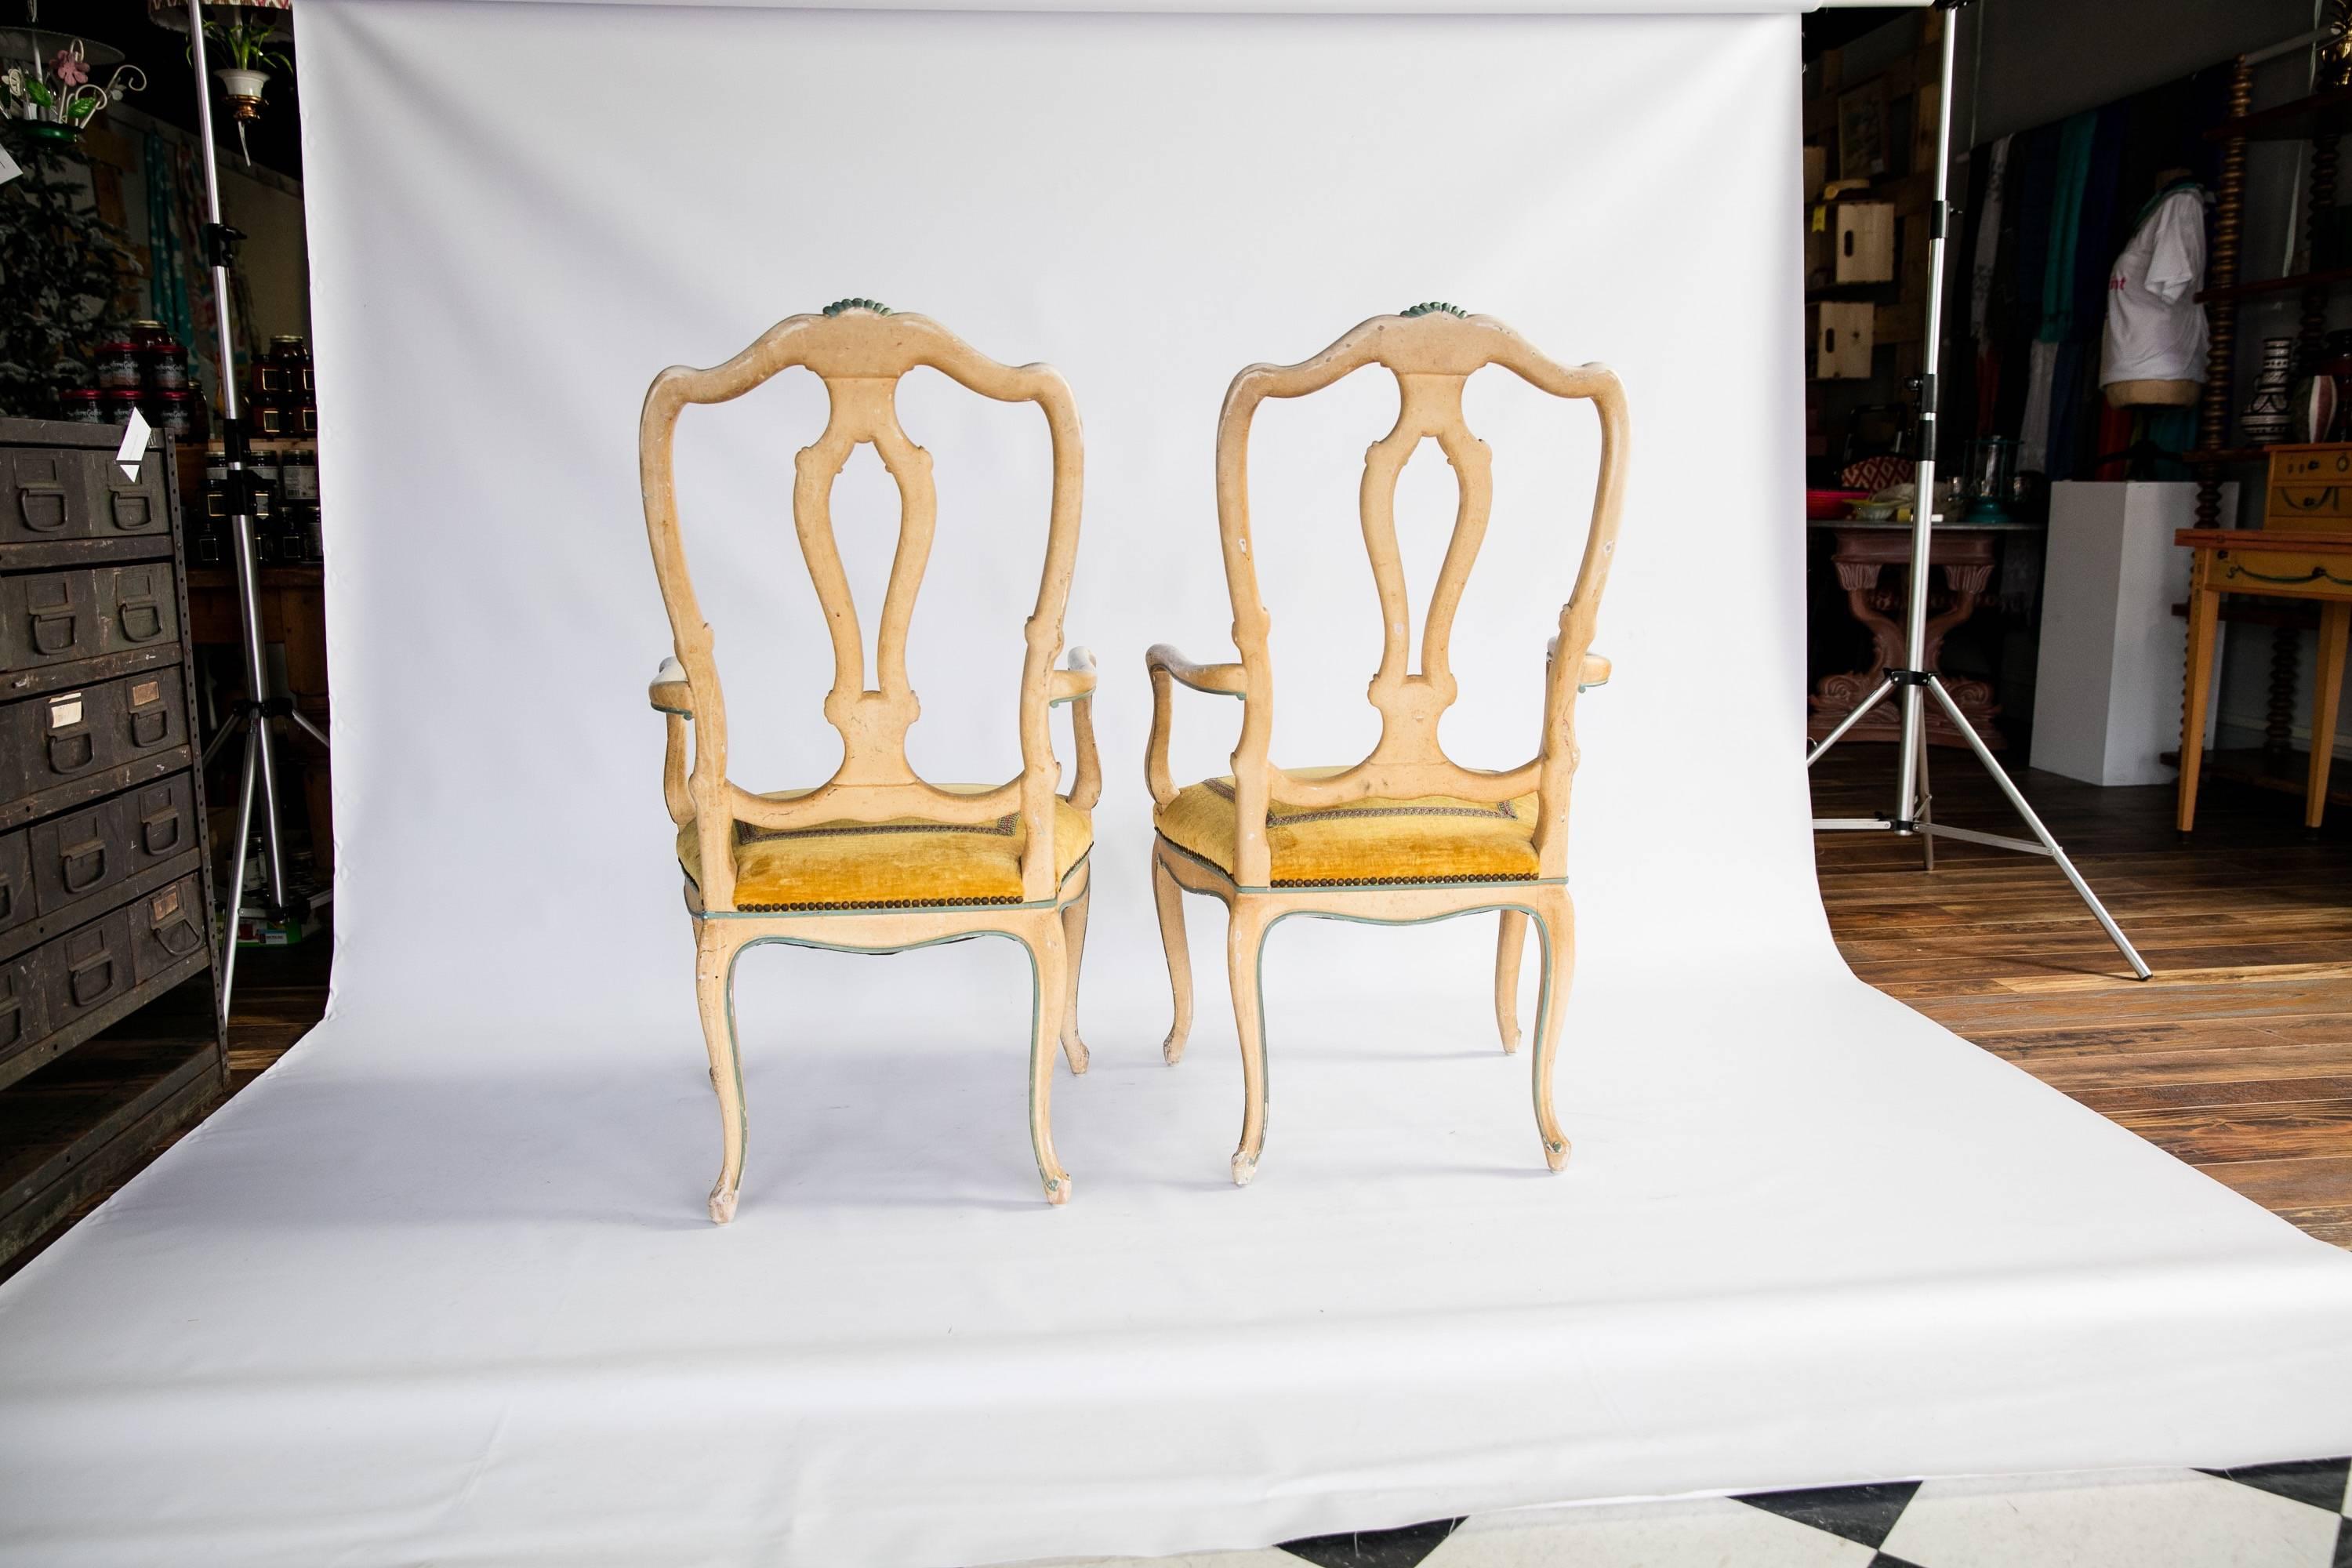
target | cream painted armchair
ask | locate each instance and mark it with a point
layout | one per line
(1406, 835)
(875, 859)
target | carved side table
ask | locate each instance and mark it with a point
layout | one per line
(1967, 555)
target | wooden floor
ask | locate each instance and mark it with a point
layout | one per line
(2236, 1057)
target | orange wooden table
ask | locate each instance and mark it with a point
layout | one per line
(2303, 551)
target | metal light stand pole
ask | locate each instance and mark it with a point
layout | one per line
(1912, 814)
(253, 712)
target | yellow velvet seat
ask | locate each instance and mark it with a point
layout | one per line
(1436, 838)
(909, 862)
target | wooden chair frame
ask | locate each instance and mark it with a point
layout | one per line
(860, 349)
(1432, 350)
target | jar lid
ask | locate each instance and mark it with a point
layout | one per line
(118, 343)
(81, 393)
(175, 395)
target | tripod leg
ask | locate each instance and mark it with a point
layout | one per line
(236, 719)
(302, 722)
(2025, 809)
(1924, 810)
(236, 878)
(1848, 722)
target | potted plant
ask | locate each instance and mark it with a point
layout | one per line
(249, 45)
(56, 100)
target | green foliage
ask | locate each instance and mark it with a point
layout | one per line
(60, 269)
(245, 45)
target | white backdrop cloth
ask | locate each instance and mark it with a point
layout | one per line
(440, 1289)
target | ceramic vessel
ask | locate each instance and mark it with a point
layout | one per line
(2269, 413)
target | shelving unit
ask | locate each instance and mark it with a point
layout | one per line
(110, 1035)
(2321, 119)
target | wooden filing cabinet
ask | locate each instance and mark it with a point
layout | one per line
(105, 881)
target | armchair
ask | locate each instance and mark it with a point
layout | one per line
(875, 859)
(1406, 835)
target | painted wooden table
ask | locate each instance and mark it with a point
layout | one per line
(1967, 553)
(2284, 560)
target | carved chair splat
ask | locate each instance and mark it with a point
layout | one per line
(875, 858)
(1406, 835)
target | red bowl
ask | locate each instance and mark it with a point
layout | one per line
(1825, 504)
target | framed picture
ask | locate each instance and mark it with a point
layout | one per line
(1862, 132)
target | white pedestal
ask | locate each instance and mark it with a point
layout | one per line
(2107, 697)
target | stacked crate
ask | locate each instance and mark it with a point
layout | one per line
(105, 893)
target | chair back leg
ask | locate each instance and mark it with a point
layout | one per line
(1074, 938)
(1556, 925)
(1244, 940)
(1041, 934)
(1509, 944)
(1170, 899)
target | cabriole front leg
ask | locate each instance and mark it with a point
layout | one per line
(1051, 955)
(714, 977)
(1245, 938)
(1558, 927)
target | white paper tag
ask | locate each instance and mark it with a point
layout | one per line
(8, 170)
(65, 711)
(127, 457)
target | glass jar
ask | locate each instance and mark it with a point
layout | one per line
(119, 403)
(119, 362)
(83, 405)
(298, 476)
(176, 413)
(167, 368)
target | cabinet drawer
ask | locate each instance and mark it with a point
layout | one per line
(138, 607)
(167, 926)
(17, 895)
(48, 618)
(78, 853)
(45, 496)
(63, 736)
(23, 1012)
(86, 969)
(121, 508)
(159, 821)
(154, 715)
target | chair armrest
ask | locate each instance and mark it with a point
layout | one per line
(669, 694)
(1595, 670)
(1219, 680)
(1166, 667)
(1075, 683)
(1076, 686)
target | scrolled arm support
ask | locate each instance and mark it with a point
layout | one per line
(1167, 668)
(1076, 686)
(673, 699)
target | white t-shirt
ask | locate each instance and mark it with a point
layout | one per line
(2156, 329)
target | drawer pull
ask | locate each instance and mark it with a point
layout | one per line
(53, 631)
(180, 937)
(153, 833)
(12, 1021)
(133, 615)
(8, 895)
(80, 983)
(43, 506)
(92, 850)
(149, 726)
(71, 753)
(131, 511)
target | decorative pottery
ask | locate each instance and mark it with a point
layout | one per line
(2269, 414)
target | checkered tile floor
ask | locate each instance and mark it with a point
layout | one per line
(2266, 1516)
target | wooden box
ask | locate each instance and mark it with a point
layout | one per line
(2310, 487)
(1844, 336)
(1864, 233)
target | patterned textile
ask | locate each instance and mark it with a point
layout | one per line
(1435, 839)
(906, 863)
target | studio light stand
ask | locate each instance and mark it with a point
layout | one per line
(252, 713)
(1914, 814)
